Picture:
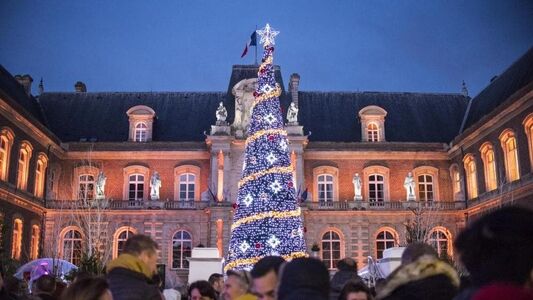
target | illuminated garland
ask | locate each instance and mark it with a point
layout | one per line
(267, 214)
(286, 170)
(263, 132)
(253, 260)
(276, 92)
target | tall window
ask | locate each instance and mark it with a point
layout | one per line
(456, 180)
(141, 132)
(439, 240)
(325, 187)
(86, 187)
(35, 238)
(122, 237)
(528, 127)
(16, 241)
(372, 132)
(187, 186)
(6, 141)
(72, 246)
(181, 249)
(471, 176)
(136, 187)
(384, 240)
(331, 249)
(40, 170)
(376, 186)
(510, 154)
(23, 165)
(489, 166)
(425, 187)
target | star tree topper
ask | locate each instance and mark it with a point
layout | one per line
(267, 35)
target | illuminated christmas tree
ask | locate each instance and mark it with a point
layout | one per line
(267, 219)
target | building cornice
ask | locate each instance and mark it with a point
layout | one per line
(310, 154)
(77, 155)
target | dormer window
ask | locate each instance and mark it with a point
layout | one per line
(372, 123)
(141, 120)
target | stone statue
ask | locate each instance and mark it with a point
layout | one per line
(409, 184)
(244, 100)
(357, 187)
(100, 185)
(155, 184)
(221, 114)
(292, 114)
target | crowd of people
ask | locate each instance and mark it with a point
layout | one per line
(496, 252)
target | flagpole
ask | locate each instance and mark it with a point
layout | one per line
(256, 47)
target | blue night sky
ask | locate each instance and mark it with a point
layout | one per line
(190, 45)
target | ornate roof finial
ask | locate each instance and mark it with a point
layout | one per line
(464, 89)
(41, 87)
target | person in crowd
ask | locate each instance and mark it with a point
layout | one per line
(355, 290)
(422, 276)
(130, 274)
(237, 286)
(201, 290)
(346, 271)
(216, 280)
(265, 277)
(88, 288)
(497, 251)
(304, 278)
(44, 287)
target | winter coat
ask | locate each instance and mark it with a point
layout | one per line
(339, 280)
(129, 279)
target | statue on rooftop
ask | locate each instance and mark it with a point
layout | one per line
(292, 114)
(221, 114)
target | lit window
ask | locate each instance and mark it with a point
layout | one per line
(425, 187)
(325, 187)
(23, 165)
(373, 132)
(187, 186)
(376, 186)
(181, 249)
(510, 154)
(489, 165)
(72, 246)
(86, 187)
(372, 119)
(16, 242)
(42, 163)
(331, 249)
(456, 182)
(122, 237)
(471, 176)
(528, 127)
(439, 240)
(136, 187)
(6, 141)
(141, 132)
(35, 238)
(384, 240)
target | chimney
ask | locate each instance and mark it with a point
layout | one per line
(25, 81)
(293, 87)
(80, 87)
(41, 87)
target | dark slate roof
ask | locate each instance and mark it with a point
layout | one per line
(14, 92)
(411, 117)
(517, 76)
(180, 116)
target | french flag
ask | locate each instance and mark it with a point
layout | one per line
(251, 42)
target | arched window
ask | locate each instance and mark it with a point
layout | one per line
(86, 187)
(121, 236)
(510, 154)
(71, 246)
(385, 239)
(35, 239)
(528, 127)
(325, 187)
(331, 249)
(6, 142)
(471, 175)
(456, 180)
(440, 240)
(376, 188)
(136, 187)
(42, 163)
(181, 249)
(141, 132)
(187, 186)
(16, 241)
(376, 180)
(425, 187)
(372, 132)
(489, 166)
(23, 165)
